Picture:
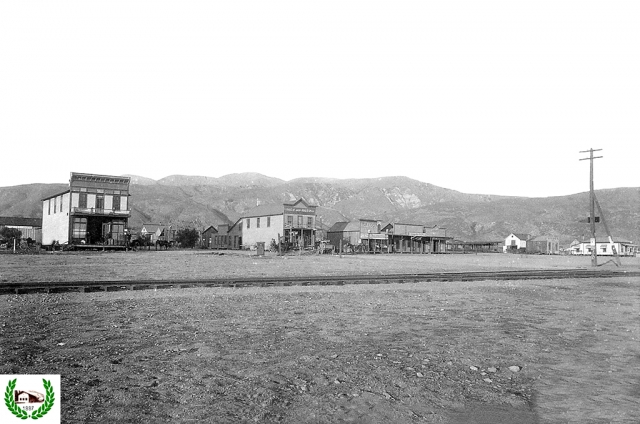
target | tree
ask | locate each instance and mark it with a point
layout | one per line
(187, 237)
(9, 234)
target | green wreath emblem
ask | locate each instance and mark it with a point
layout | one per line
(19, 412)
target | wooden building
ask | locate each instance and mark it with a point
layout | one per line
(93, 212)
(28, 227)
(210, 238)
(481, 246)
(292, 222)
(516, 242)
(543, 244)
(361, 235)
(415, 238)
(605, 248)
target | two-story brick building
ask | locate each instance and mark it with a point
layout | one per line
(93, 211)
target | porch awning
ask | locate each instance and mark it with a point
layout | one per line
(375, 236)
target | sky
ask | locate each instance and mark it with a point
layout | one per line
(488, 97)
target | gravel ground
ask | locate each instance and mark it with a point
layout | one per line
(184, 264)
(425, 352)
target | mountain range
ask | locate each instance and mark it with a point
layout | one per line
(200, 201)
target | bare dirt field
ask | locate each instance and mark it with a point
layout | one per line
(426, 352)
(200, 264)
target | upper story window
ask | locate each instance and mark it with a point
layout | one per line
(257, 222)
(116, 203)
(268, 221)
(309, 222)
(100, 201)
(49, 207)
(55, 204)
(82, 202)
(248, 223)
(299, 220)
(290, 220)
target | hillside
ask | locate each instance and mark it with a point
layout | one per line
(203, 201)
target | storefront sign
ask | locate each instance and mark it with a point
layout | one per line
(300, 211)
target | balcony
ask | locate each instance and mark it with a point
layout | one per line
(290, 226)
(100, 211)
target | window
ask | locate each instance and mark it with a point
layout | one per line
(310, 222)
(299, 220)
(82, 203)
(79, 231)
(268, 221)
(290, 220)
(55, 204)
(100, 201)
(248, 223)
(257, 222)
(116, 203)
(49, 207)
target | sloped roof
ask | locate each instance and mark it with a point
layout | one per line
(151, 228)
(17, 221)
(300, 200)
(521, 236)
(606, 240)
(543, 238)
(344, 227)
(264, 210)
(210, 228)
(56, 195)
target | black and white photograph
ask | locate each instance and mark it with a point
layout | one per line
(320, 212)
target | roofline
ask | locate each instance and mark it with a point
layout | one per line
(55, 195)
(261, 215)
(86, 174)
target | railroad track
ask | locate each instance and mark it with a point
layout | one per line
(117, 285)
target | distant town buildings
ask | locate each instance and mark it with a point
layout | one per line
(605, 248)
(30, 228)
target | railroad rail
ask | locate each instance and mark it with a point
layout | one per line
(87, 286)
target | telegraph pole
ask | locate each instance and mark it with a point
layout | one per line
(592, 206)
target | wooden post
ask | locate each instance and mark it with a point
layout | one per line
(594, 252)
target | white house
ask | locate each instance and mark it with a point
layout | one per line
(516, 241)
(605, 248)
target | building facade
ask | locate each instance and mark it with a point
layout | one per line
(415, 238)
(361, 234)
(605, 248)
(94, 211)
(516, 242)
(544, 244)
(293, 223)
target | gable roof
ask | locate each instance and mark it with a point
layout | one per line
(210, 228)
(151, 228)
(521, 236)
(17, 221)
(300, 200)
